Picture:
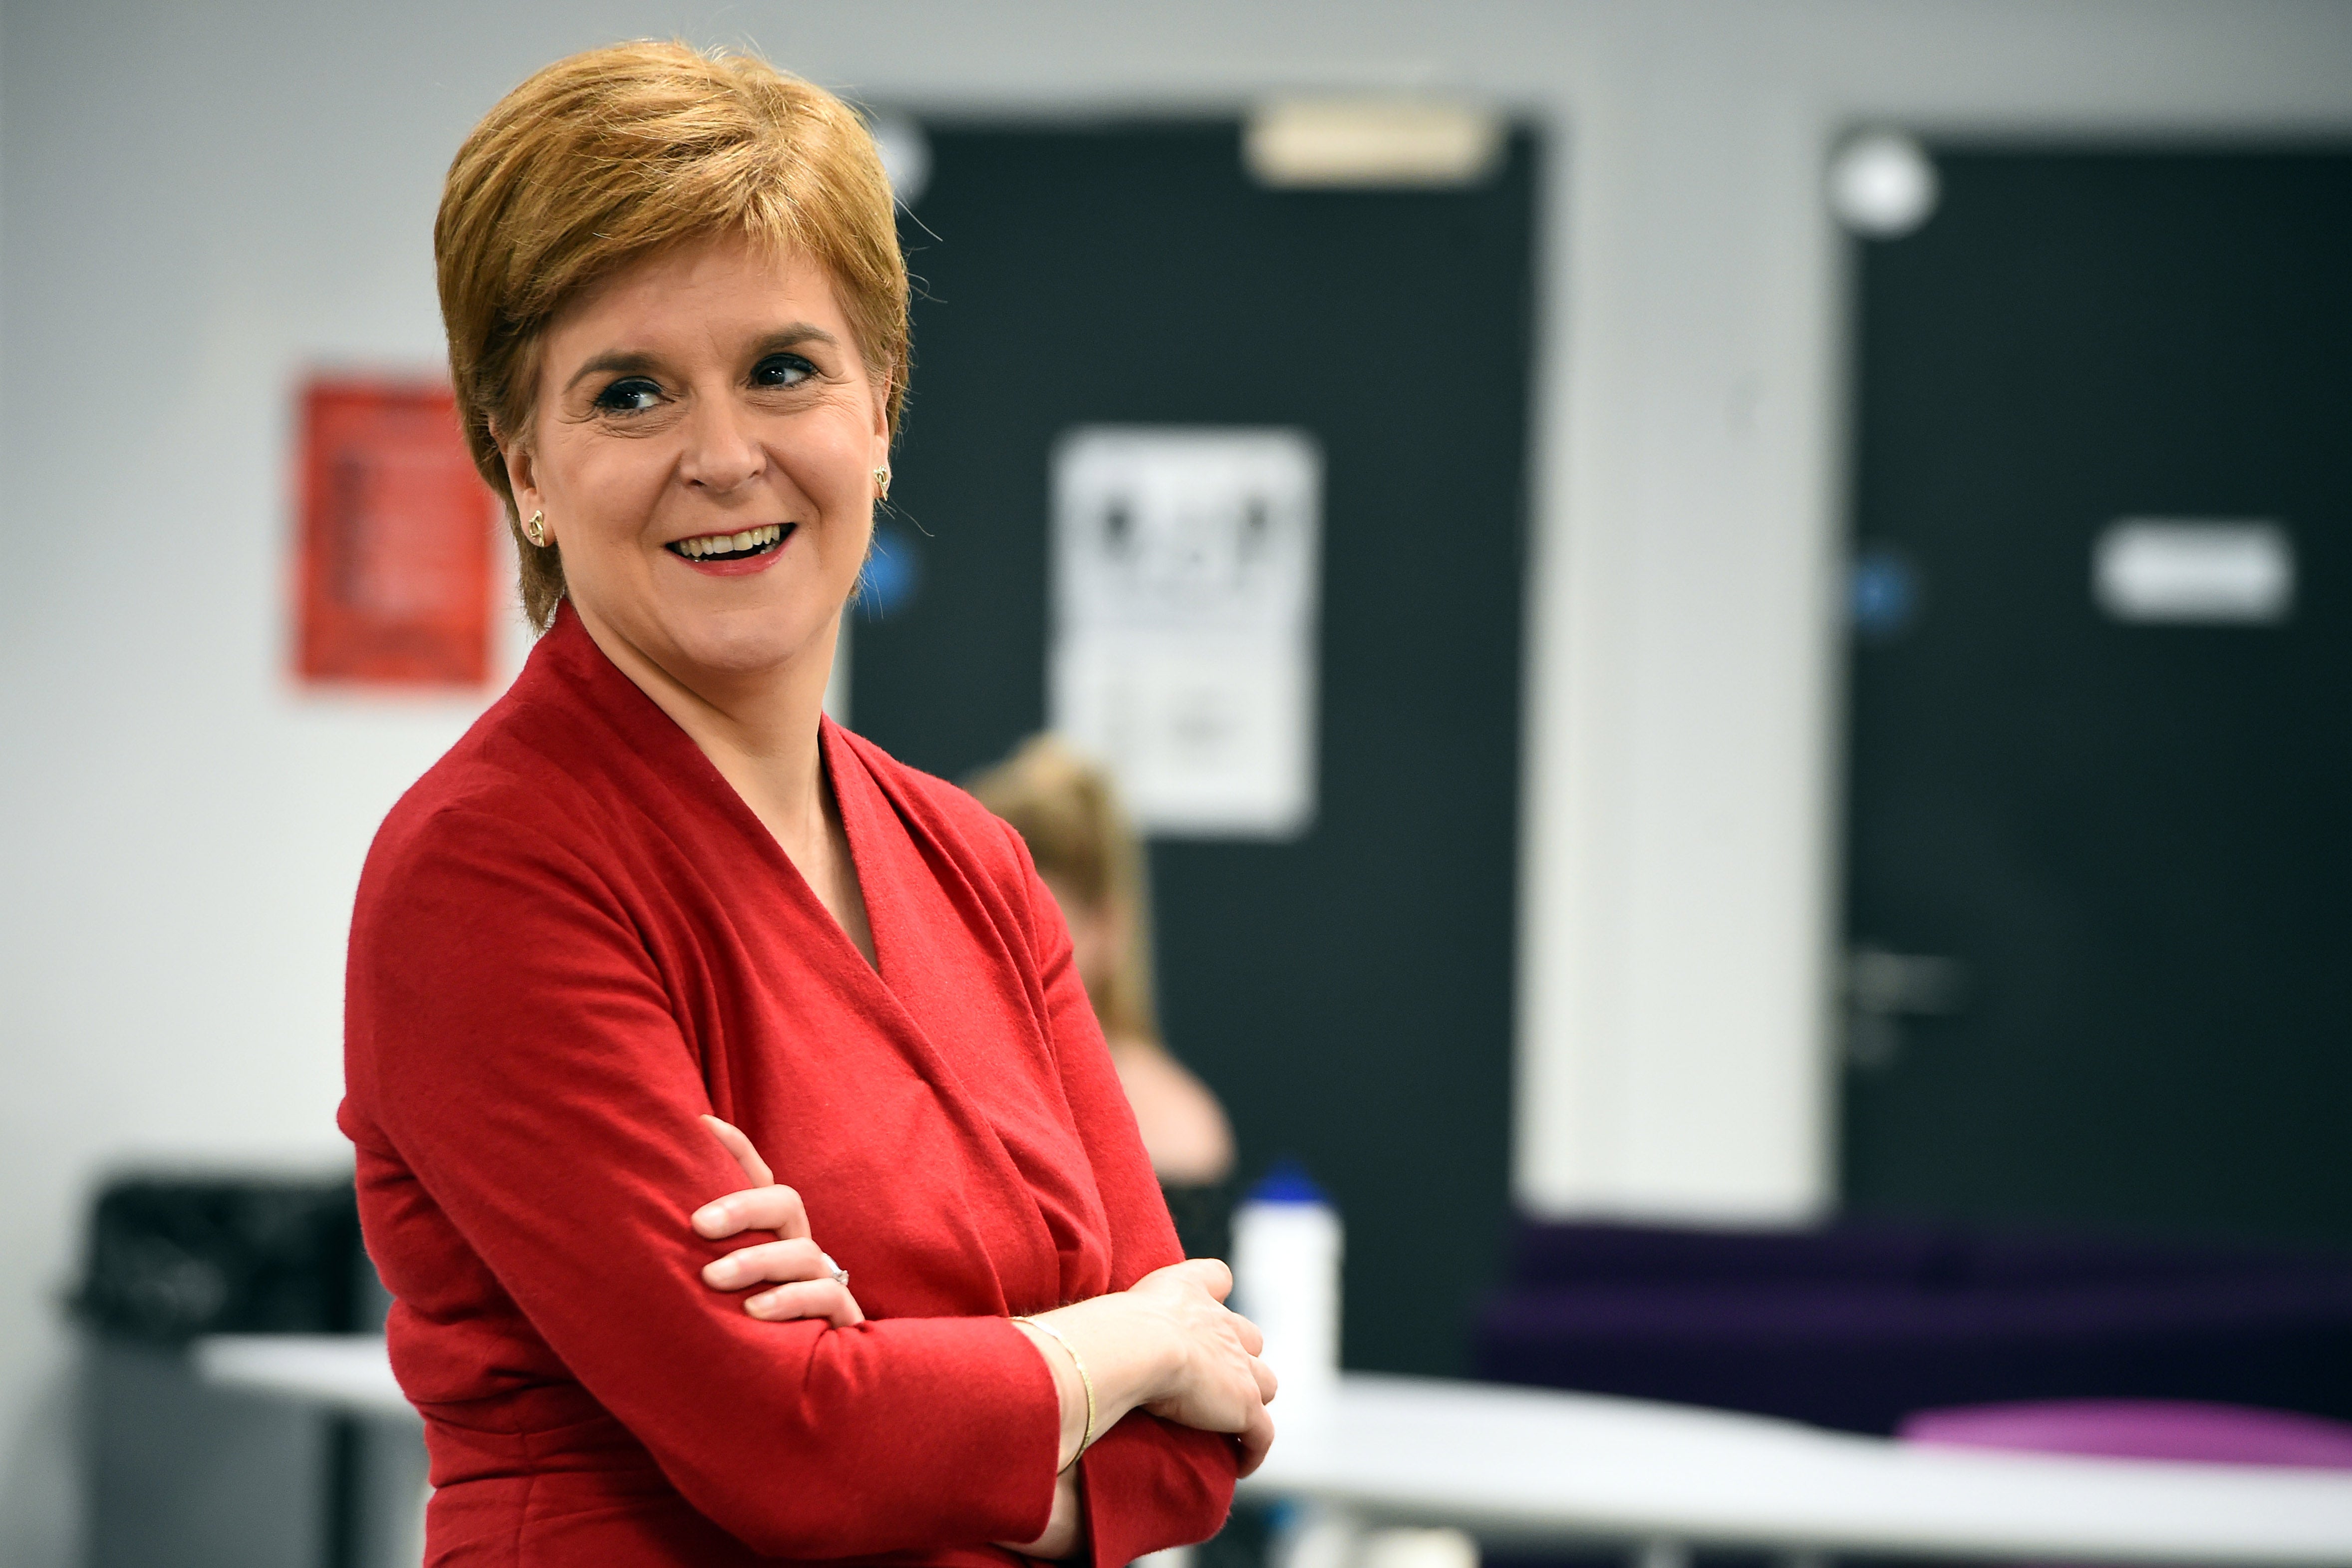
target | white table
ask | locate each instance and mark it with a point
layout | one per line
(1531, 1466)
(1521, 1466)
(348, 1374)
(381, 1514)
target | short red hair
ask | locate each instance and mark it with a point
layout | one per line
(608, 157)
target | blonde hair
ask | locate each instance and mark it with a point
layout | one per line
(1064, 808)
(608, 157)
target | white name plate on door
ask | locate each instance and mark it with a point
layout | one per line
(2194, 571)
(1185, 570)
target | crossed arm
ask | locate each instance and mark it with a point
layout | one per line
(473, 1066)
(1166, 1345)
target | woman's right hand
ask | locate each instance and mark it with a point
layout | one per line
(1221, 1385)
(1169, 1345)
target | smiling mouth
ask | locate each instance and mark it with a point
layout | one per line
(743, 545)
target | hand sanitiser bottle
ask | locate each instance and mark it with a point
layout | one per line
(1287, 1251)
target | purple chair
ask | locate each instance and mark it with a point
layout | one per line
(1853, 1325)
(2140, 1430)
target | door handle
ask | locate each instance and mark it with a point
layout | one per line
(1884, 988)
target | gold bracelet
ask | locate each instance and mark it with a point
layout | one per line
(1086, 1381)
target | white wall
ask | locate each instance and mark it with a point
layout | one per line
(197, 202)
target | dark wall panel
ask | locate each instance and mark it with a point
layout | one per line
(1347, 994)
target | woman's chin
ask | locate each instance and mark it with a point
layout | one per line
(765, 627)
(743, 645)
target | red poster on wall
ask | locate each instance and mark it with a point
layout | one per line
(393, 579)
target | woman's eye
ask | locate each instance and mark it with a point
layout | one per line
(630, 394)
(781, 371)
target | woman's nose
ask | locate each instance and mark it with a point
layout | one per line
(721, 452)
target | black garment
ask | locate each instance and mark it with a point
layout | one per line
(1203, 1213)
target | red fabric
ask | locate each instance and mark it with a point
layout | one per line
(573, 937)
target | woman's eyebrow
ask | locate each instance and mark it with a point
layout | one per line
(792, 337)
(620, 360)
(626, 361)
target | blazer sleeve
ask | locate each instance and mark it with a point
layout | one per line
(1149, 1483)
(512, 1042)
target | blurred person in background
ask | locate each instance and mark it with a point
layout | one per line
(653, 887)
(1066, 811)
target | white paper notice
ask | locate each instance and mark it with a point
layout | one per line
(1185, 571)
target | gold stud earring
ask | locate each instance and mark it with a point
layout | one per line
(882, 483)
(534, 532)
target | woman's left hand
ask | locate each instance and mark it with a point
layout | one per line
(802, 1274)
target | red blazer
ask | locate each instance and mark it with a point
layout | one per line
(571, 939)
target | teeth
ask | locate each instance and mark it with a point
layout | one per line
(730, 544)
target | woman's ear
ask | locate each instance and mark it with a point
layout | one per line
(522, 478)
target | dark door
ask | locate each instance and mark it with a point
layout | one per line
(1347, 994)
(2098, 856)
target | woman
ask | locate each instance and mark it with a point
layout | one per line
(1068, 816)
(653, 897)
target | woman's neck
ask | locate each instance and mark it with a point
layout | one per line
(760, 729)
